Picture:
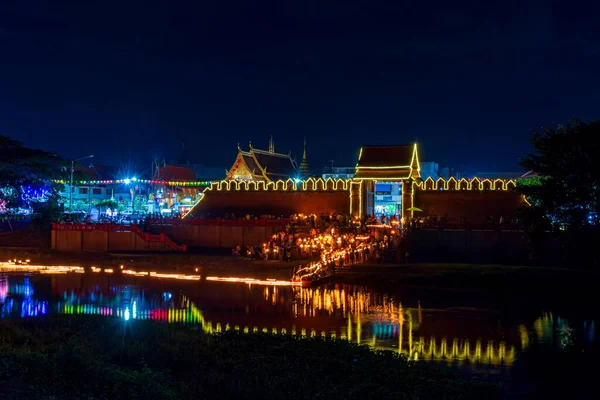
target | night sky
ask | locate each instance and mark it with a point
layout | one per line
(128, 82)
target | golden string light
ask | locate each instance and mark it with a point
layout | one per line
(288, 185)
(465, 184)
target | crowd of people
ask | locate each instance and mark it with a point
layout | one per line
(338, 251)
(435, 222)
(327, 242)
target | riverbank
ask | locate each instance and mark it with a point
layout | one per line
(463, 276)
(207, 262)
(99, 357)
(34, 245)
(26, 239)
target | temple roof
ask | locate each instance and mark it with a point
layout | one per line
(173, 173)
(275, 165)
(249, 160)
(388, 162)
(267, 165)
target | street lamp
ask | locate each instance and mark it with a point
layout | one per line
(71, 186)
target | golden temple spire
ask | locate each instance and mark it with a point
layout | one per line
(271, 145)
(304, 153)
(304, 165)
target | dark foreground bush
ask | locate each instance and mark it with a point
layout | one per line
(554, 372)
(75, 357)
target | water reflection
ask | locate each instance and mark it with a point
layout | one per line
(470, 336)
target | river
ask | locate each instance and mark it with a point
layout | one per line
(431, 325)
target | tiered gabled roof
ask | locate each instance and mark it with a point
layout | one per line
(388, 162)
(274, 165)
(258, 164)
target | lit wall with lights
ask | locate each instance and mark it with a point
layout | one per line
(465, 200)
(474, 199)
(278, 198)
(474, 184)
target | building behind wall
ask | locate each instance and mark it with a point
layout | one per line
(338, 172)
(263, 165)
(202, 172)
(173, 197)
(93, 185)
(430, 169)
(388, 180)
(448, 172)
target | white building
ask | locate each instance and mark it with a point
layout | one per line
(338, 173)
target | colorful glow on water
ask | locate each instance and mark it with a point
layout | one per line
(345, 312)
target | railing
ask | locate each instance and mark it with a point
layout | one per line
(217, 222)
(147, 237)
(160, 238)
(92, 227)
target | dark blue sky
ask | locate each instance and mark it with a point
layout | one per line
(128, 81)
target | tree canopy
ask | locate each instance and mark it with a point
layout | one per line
(28, 176)
(104, 204)
(567, 161)
(565, 188)
(20, 165)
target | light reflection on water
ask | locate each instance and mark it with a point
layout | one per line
(461, 336)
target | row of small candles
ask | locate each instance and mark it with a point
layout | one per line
(333, 248)
(304, 244)
(24, 266)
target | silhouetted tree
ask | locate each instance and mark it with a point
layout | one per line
(24, 170)
(566, 191)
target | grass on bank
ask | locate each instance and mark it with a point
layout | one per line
(70, 357)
